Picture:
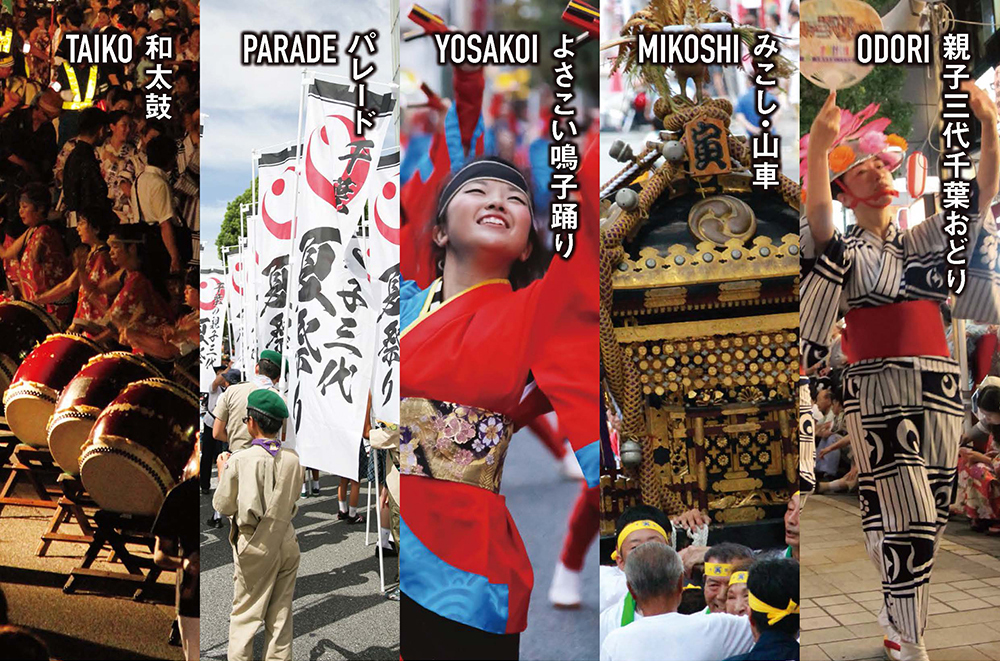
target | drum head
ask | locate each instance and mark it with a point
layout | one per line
(124, 478)
(28, 415)
(66, 440)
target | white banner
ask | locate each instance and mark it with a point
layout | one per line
(272, 230)
(234, 296)
(383, 275)
(213, 311)
(333, 325)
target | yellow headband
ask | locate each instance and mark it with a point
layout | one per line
(691, 586)
(738, 577)
(716, 570)
(645, 524)
(774, 615)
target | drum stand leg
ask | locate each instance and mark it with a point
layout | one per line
(30, 462)
(69, 507)
(116, 531)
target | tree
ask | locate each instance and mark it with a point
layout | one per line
(230, 233)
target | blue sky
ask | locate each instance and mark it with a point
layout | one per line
(246, 108)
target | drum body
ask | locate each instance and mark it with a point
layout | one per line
(101, 380)
(31, 398)
(139, 446)
(22, 327)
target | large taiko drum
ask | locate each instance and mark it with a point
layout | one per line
(82, 400)
(31, 398)
(22, 327)
(139, 446)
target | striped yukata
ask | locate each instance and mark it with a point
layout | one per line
(904, 414)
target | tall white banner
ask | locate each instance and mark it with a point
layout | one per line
(383, 275)
(272, 229)
(234, 295)
(332, 317)
(212, 311)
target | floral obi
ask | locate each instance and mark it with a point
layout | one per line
(453, 442)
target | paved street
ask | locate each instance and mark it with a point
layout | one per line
(840, 596)
(338, 612)
(99, 621)
(540, 502)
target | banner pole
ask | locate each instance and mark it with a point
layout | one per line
(289, 285)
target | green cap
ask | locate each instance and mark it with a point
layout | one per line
(268, 402)
(272, 355)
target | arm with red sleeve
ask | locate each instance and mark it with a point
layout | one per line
(565, 352)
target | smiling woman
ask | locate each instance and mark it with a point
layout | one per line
(474, 342)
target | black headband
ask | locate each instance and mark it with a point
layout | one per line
(483, 169)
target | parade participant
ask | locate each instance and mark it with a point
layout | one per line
(636, 526)
(258, 488)
(719, 562)
(40, 251)
(210, 447)
(230, 410)
(472, 337)
(91, 302)
(83, 184)
(18, 91)
(902, 389)
(655, 575)
(737, 597)
(136, 305)
(584, 522)
(792, 512)
(772, 587)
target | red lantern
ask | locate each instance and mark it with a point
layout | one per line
(916, 174)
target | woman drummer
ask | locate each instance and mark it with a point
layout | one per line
(902, 389)
(136, 305)
(484, 333)
(41, 253)
(91, 302)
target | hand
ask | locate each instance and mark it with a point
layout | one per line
(175, 265)
(826, 125)
(822, 453)
(691, 520)
(980, 103)
(691, 556)
(220, 461)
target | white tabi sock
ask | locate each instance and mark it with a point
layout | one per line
(383, 537)
(343, 506)
(352, 512)
(316, 484)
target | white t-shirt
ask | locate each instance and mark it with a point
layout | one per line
(611, 617)
(672, 636)
(213, 399)
(613, 587)
(153, 194)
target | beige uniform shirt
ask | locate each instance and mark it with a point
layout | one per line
(232, 408)
(260, 492)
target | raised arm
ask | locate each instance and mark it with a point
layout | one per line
(819, 200)
(15, 248)
(988, 175)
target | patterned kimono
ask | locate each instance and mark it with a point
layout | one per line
(91, 308)
(463, 388)
(139, 306)
(44, 264)
(904, 414)
(118, 167)
(978, 487)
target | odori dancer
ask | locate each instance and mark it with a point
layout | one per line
(901, 388)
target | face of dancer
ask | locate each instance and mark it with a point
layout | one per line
(121, 129)
(716, 588)
(990, 417)
(870, 181)
(737, 599)
(488, 218)
(635, 539)
(792, 522)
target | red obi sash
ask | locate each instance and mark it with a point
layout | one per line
(911, 328)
